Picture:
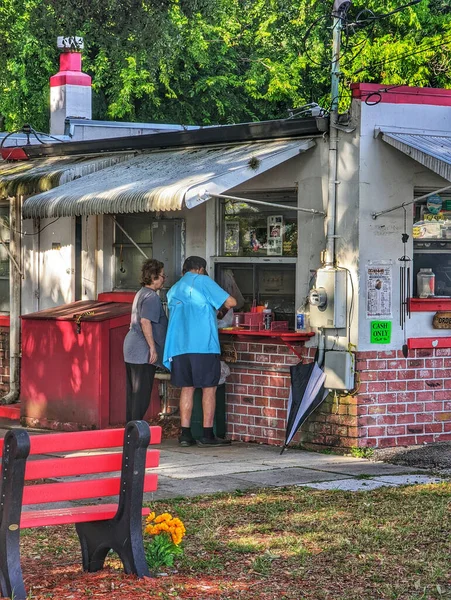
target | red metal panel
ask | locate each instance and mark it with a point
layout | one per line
(79, 490)
(103, 311)
(59, 375)
(437, 342)
(62, 516)
(402, 94)
(116, 297)
(117, 375)
(429, 304)
(82, 465)
(292, 336)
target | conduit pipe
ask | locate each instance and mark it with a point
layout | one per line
(329, 258)
(15, 292)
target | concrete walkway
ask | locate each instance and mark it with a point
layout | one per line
(187, 472)
(193, 471)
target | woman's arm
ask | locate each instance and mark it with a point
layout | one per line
(146, 326)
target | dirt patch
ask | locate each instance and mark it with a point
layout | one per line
(170, 426)
(435, 457)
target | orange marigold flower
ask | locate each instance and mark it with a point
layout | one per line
(150, 518)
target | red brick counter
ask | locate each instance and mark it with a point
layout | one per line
(258, 386)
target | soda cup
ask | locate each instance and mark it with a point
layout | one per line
(267, 318)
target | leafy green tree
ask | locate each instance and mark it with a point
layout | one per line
(214, 61)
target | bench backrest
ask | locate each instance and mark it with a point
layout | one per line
(85, 453)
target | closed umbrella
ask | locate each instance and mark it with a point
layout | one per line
(306, 393)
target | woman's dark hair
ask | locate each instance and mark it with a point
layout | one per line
(150, 271)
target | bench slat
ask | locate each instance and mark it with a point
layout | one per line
(82, 440)
(81, 465)
(78, 490)
(62, 516)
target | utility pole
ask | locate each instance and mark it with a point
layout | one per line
(339, 10)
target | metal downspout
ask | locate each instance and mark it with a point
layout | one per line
(15, 291)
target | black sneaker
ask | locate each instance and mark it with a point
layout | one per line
(186, 441)
(214, 442)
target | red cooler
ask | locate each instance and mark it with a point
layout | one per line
(72, 369)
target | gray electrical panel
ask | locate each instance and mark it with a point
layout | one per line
(328, 300)
(339, 370)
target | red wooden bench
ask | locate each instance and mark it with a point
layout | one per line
(100, 527)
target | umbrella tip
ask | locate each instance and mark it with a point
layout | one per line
(282, 451)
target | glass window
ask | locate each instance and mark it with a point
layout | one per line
(4, 259)
(258, 230)
(263, 283)
(432, 245)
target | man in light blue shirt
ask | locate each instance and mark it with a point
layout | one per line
(192, 350)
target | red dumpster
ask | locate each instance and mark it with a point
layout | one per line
(72, 369)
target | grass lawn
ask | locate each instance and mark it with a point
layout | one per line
(285, 543)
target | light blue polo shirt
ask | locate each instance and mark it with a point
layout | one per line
(193, 302)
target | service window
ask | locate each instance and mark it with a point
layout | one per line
(272, 284)
(432, 245)
(259, 230)
(258, 247)
(162, 239)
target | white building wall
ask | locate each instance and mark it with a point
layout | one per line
(388, 178)
(49, 259)
(303, 172)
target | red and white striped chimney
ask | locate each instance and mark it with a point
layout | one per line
(70, 89)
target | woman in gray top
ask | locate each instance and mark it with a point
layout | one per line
(144, 343)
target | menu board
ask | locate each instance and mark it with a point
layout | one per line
(379, 290)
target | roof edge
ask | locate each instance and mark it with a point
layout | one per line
(242, 132)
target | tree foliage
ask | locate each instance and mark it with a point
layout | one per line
(214, 61)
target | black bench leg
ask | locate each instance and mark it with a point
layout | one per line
(94, 548)
(123, 533)
(97, 538)
(11, 574)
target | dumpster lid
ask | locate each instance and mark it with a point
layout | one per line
(102, 311)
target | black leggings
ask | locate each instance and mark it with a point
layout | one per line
(139, 388)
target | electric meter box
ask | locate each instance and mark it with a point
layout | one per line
(328, 301)
(339, 370)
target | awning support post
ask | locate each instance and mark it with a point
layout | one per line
(310, 211)
(404, 204)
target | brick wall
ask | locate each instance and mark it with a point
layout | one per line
(398, 401)
(4, 360)
(258, 388)
(404, 401)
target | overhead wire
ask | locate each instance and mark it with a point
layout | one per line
(5, 224)
(402, 56)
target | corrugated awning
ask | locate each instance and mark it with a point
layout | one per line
(33, 177)
(431, 148)
(163, 180)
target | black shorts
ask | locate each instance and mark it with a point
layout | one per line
(196, 370)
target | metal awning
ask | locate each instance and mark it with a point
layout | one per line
(33, 177)
(164, 180)
(430, 148)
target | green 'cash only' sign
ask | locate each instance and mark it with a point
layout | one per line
(380, 332)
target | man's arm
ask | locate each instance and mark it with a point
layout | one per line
(146, 326)
(230, 302)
